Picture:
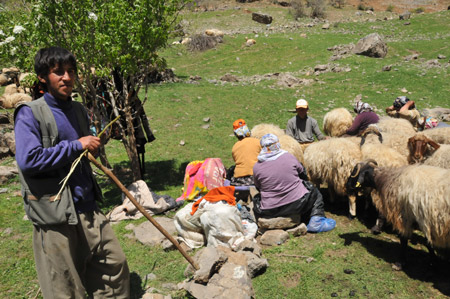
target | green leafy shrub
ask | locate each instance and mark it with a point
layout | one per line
(390, 8)
(203, 42)
(419, 10)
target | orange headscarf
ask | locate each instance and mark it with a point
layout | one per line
(217, 194)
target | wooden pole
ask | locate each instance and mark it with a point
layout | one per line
(142, 210)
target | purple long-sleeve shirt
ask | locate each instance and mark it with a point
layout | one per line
(362, 121)
(278, 181)
(33, 158)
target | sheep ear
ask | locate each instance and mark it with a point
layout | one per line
(433, 144)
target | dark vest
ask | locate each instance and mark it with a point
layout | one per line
(39, 191)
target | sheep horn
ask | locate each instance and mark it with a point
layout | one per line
(372, 161)
(358, 169)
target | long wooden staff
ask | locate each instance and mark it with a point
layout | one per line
(142, 210)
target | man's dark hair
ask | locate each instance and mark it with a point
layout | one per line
(47, 58)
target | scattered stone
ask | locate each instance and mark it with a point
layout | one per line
(349, 271)
(182, 142)
(288, 80)
(320, 67)
(150, 276)
(352, 293)
(7, 172)
(371, 45)
(229, 78)
(404, 90)
(411, 57)
(433, 63)
(386, 68)
(205, 126)
(148, 234)
(298, 230)
(195, 78)
(274, 237)
(407, 23)
(167, 245)
(303, 35)
(169, 286)
(7, 231)
(256, 265)
(440, 56)
(209, 260)
(130, 226)
(261, 18)
(279, 222)
(4, 190)
(405, 15)
(177, 125)
(326, 26)
(153, 296)
(207, 119)
(397, 267)
(250, 246)
(334, 294)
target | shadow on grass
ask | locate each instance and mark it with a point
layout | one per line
(418, 262)
(136, 290)
(159, 175)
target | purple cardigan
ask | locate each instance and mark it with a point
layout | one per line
(362, 121)
(32, 158)
(278, 181)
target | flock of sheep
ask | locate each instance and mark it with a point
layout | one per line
(406, 173)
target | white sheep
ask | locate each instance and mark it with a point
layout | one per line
(408, 195)
(439, 135)
(214, 32)
(292, 146)
(331, 161)
(12, 100)
(336, 122)
(12, 89)
(260, 130)
(440, 158)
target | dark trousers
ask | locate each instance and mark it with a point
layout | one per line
(311, 204)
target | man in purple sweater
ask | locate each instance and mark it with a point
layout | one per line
(283, 192)
(75, 249)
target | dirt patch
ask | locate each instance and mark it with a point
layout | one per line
(402, 5)
(291, 281)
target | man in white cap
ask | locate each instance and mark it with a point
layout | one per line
(302, 127)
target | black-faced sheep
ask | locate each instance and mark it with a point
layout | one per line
(337, 121)
(414, 194)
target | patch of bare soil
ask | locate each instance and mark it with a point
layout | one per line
(291, 281)
(402, 5)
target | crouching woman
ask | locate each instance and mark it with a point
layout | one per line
(283, 188)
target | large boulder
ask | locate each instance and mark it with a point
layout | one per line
(261, 18)
(371, 45)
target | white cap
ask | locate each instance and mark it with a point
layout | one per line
(301, 104)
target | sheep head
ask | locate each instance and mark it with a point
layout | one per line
(362, 176)
(418, 146)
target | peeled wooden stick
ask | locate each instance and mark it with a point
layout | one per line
(142, 210)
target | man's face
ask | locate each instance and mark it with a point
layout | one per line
(302, 112)
(60, 81)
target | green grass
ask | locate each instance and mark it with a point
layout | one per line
(176, 112)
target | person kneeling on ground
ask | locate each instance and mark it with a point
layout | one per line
(278, 177)
(245, 154)
(365, 117)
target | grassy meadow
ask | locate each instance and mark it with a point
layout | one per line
(177, 110)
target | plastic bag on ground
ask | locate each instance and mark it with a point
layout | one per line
(318, 224)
